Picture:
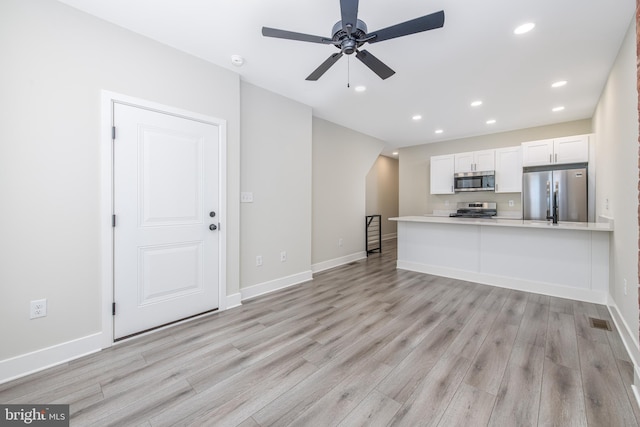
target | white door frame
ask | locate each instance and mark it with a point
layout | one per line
(108, 99)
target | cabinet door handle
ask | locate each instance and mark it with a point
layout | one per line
(452, 188)
(550, 159)
(556, 157)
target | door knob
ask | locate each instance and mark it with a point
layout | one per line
(213, 227)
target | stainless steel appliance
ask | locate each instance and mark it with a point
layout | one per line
(475, 181)
(557, 193)
(476, 210)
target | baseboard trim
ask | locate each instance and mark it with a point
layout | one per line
(337, 262)
(29, 363)
(508, 282)
(635, 394)
(629, 338)
(274, 285)
(234, 300)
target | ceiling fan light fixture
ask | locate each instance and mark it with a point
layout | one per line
(350, 34)
(524, 28)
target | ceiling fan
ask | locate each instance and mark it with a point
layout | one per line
(350, 34)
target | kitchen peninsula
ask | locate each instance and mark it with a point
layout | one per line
(569, 260)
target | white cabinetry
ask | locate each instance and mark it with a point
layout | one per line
(509, 170)
(442, 168)
(572, 149)
(475, 161)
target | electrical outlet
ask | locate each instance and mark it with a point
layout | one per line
(340, 242)
(511, 203)
(259, 260)
(38, 308)
(246, 197)
(625, 286)
(283, 256)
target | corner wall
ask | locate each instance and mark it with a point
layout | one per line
(382, 193)
(616, 127)
(276, 168)
(341, 160)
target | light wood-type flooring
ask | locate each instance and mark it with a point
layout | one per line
(362, 344)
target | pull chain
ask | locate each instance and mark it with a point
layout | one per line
(348, 70)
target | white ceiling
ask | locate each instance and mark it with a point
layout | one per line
(438, 73)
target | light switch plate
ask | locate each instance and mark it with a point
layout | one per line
(246, 197)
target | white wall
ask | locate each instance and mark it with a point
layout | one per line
(341, 160)
(382, 193)
(55, 62)
(616, 127)
(415, 197)
(276, 168)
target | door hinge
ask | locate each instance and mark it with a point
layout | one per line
(113, 220)
(113, 309)
(113, 132)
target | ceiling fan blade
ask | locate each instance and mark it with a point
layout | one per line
(424, 23)
(318, 72)
(375, 64)
(290, 35)
(349, 10)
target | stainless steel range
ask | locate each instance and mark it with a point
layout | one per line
(476, 210)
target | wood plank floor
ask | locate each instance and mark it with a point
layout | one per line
(362, 344)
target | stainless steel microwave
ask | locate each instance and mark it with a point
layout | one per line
(475, 181)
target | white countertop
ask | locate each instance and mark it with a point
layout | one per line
(501, 222)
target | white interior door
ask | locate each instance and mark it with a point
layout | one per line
(166, 186)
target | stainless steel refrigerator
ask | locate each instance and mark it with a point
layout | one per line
(567, 184)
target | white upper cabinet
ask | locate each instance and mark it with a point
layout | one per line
(537, 152)
(475, 161)
(509, 170)
(442, 168)
(572, 149)
(464, 162)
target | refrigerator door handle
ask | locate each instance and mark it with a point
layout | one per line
(548, 200)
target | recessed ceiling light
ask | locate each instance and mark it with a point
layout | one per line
(524, 28)
(490, 122)
(395, 153)
(439, 131)
(556, 109)
(360, 88)
(417, 117)
(237, 60)
(559, 83)
(476, 103)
